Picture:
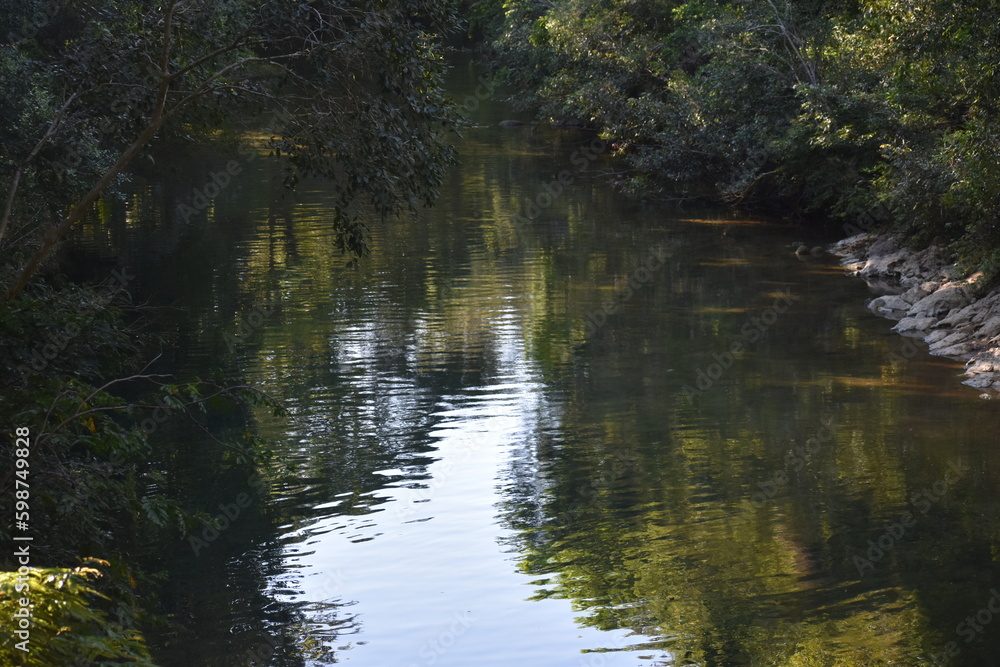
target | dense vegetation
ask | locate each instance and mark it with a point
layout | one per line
(881, 113)
(349, 91)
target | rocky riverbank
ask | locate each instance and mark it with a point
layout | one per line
(930, 300)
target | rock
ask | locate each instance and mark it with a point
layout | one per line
(952, 338)
(817, 251)
(802, 250)
(938, 302)
(981, 381)
(948, 297)
(915, 324)
(987, 361)
(571, 124)
(989, 329)
(885, 245)
(883, 266)
(511, 123)
(891, 306)
(914, 294)
(959, 350)
(937, 335)
(852, 245)
(960, 316)
(986, 307)
(947, 346)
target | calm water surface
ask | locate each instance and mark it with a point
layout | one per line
(517, 443)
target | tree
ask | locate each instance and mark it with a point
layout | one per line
(354, 86)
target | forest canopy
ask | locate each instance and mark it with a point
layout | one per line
(880, 113)
(346, 90)
(90, 87)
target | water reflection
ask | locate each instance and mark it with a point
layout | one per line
(509, 444)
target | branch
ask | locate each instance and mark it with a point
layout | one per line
(206, 85)
(793, 40)
(214, 54)
(12, 193)
(81, 208)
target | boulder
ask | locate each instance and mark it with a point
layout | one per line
(885, 245)
(987, 361)
(914, 324)
(891, 306)
(852, 245)
(937, 335)
(982, 380)
(986, 307)
(883, 266)
(951, 339)
(960, 316)
(948, 297)
(958, 350)
(989, 329)
(914, 294)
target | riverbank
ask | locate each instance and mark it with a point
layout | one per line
(931, 300)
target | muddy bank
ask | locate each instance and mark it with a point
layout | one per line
(930, 300)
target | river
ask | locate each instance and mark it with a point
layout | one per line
(546, 424)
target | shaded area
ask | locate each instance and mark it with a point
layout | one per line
(481, 363)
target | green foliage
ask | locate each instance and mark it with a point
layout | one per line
(68, 625)
(99, 486)
(846, 109)
(345, 90)
(350, 91)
